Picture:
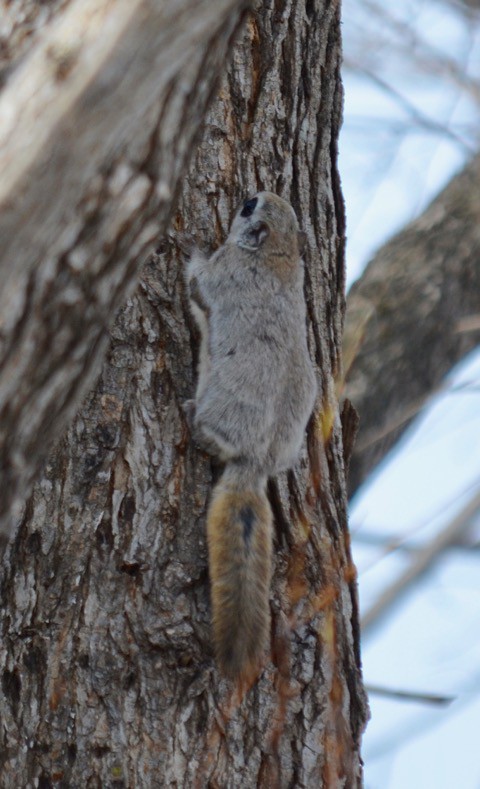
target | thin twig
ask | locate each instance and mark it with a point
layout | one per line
(421, 563)
(407, 695)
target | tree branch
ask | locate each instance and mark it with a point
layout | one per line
(421, 562)
(403, 317)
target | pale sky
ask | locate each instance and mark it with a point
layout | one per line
(391, 167)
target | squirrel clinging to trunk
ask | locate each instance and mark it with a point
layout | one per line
(255, 393)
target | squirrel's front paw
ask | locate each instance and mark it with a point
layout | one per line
(189, 409)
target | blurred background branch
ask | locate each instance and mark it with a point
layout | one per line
(410, 161)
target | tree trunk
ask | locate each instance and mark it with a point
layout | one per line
(98, 124)
(411, 317)
(108, 677)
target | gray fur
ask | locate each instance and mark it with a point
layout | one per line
(256, 384)
(256, 390)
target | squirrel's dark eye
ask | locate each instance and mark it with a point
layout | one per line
(249, 207)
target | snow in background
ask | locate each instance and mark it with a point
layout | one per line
(412, 87)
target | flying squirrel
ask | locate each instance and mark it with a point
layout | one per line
(255, 393)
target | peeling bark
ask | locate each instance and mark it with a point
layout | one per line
(106, 658)
(411, 317)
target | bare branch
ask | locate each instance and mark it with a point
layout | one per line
(424, 281)
(416, 50)
(418, 117)
(421, 563)
(408, 695)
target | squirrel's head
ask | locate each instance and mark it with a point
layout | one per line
(268, 223)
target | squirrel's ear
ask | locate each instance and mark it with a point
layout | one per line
(254, 236)
(302, 241)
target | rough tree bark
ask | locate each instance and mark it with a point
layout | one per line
(412, 315)
(106, 661)
(97, 123)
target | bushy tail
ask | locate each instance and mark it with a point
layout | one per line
(239, 531)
